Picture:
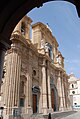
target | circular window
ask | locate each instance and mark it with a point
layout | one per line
(73, 92)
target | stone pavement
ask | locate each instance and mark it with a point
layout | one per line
(58, 115)
(62, 115)
(55, 115)
(73, 116)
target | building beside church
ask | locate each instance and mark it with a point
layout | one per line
(35, 80)
(74, 92)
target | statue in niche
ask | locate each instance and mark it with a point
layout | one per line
(46, 47)
(58, 59)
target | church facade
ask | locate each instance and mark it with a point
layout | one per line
(35, 80)
(74, 91)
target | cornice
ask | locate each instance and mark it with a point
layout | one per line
(27, 43)
(20, 38)
(53, 66)
(46, 30)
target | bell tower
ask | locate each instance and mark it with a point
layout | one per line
(23, 27)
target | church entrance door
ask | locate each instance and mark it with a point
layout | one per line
(34, 103)
(52, 98)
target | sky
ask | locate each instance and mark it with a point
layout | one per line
(64, 22)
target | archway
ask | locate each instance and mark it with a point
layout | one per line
(35, 98)
(16, 10)
(8, 12)
(54, 98)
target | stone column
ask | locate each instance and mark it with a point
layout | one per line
(66, 91)
(40, 96)
(27, 31)
(63, 93)
(44, 89)
(59, 87)
(49, 88)
(13, 68)
(30, 84)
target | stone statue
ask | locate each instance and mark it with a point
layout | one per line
(58, 59)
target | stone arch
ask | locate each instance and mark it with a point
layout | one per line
(54, 94)
(11, 13)
(16, 11)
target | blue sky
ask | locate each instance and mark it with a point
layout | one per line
(65, 24)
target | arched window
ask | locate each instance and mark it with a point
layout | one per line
(72, 86)
(23, 28)
(34, 72)
(3, 73)
(22, 88)
(49, 53)
(21, 101)
(48, 48)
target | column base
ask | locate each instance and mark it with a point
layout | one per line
(61, 109)
(49, 110)
(45, 111)
(29, 110)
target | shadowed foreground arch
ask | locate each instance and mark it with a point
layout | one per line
(11, 12)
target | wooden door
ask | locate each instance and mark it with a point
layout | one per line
(52, 98)
(34, 103)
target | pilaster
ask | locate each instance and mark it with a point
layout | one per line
(40, 84)
(44, 88)
(59, 87)
(13, 69)
(49, 88)
(29, 84)
(63, 93)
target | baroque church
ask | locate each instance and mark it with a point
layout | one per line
(34, 79)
